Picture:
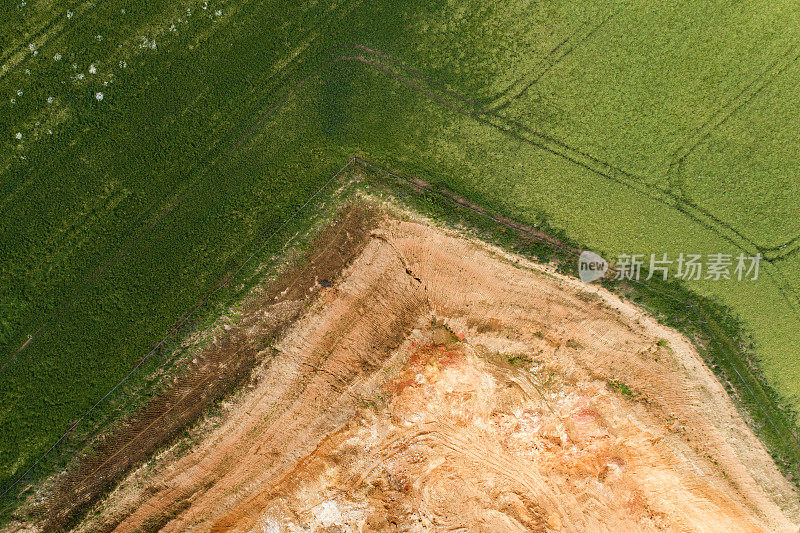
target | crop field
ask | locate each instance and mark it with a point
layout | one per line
(148, 149)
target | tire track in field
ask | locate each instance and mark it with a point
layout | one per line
(181, 196)
(178, 194)
(718, 117)
(564, 48)
(784, 250)
(39, 37)
(744, 96)
(111, 58)
(92, 277)
(606, 170)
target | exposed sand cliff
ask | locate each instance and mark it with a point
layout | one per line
(443, 384)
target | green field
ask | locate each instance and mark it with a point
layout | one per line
(632, 127)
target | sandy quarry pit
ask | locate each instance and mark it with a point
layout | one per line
(442, 384)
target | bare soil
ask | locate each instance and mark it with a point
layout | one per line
(442, 384)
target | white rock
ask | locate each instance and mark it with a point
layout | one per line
(328, 513)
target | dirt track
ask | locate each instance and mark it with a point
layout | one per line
(442, 384)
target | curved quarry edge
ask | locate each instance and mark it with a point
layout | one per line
(439, 383)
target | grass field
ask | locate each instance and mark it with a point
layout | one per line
(147, 149)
